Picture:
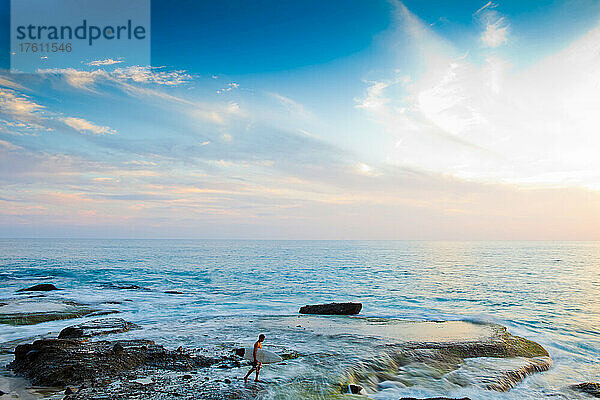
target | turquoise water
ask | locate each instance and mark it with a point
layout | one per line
(546, 291)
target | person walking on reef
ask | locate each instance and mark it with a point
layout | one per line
(255, 363)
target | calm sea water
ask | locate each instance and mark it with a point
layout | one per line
(546, 291)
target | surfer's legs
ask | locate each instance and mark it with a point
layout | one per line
(248, 374)
(257, 371)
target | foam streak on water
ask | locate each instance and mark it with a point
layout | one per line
(546, 291)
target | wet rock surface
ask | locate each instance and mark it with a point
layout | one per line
(497, 363)
(435, 398)
(62, 362)
(34, 310)
(485, 356)
(161, 386)
(96, 327)
(590, 388)
(497, 374)
(332, 309)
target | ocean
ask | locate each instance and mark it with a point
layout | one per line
(231, 290)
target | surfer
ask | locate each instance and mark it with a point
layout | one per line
(255, 363)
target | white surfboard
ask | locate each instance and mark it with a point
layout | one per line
(263, 356)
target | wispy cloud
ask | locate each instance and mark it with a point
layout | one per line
(23, 112)
(82, 125)
(496, 33)
(487, 5)
(78, 79)
(466, 141)
(375, 98)
(230, 86)
(149, 84)
(82, 79)
(9, 146)
(18, 105)
(108, 61)
(154, 75)
(496, 26)
(291, 105)
(5, 82)
(487, 121)
(362, 204)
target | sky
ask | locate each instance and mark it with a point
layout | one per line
(441, 120)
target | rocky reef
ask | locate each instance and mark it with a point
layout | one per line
(64, 362)
(590, 388)
(498, 362)
(116, 369)
(96, 327)
(91, 362)
(34, 310)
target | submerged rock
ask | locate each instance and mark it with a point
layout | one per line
(496, 362)
(99, 313)
(590, 388)
(42, 287)
(61, 362)
(497, 374)
(435, 398)
(332, 309)
(124, 286)
(500, 344)
(96, 327)
(32, 311)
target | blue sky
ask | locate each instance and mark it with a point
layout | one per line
(339, 119)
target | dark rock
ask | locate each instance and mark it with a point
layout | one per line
(69, 390)
(332, 309)
(118, 348)
(186, 376)
(226, 380)
(128, 287)
(355, 389)
(590, 388)
(70, 332)
(42, 287)
(173, 292)
(96, 327)
(59, 362)
(100, 313)
(240, 352)
(32, 354)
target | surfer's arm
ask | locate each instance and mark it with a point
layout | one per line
(254, 352)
